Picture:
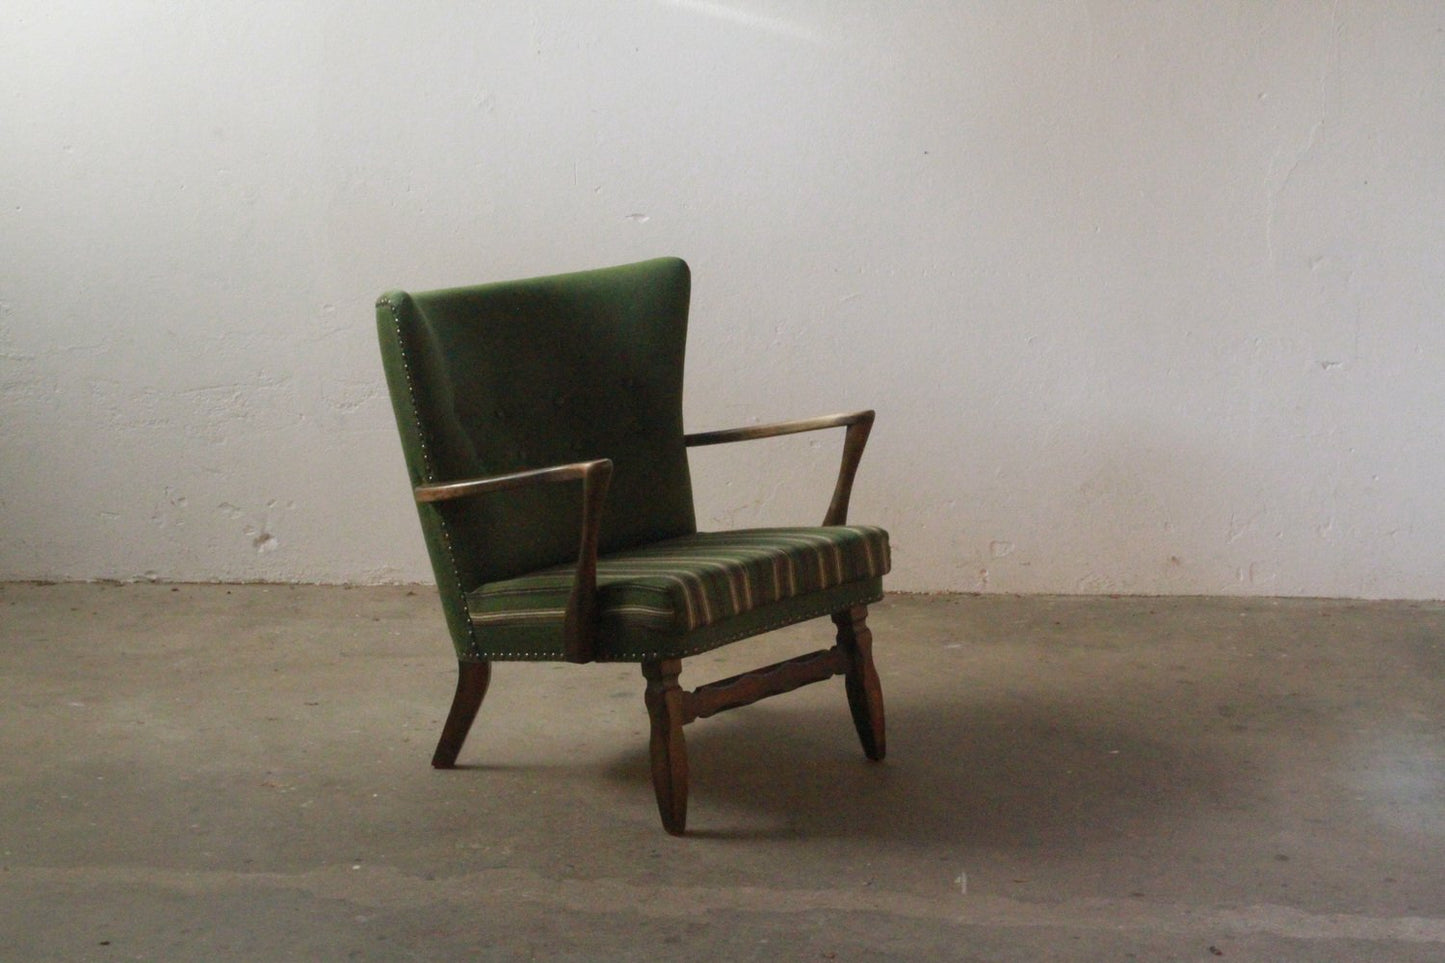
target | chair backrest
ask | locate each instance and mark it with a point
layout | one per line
(525, 374)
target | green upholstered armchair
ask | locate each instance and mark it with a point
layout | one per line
(542, 426)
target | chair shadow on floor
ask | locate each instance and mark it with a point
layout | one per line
(1026, 773)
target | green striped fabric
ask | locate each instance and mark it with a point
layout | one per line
(697, 580)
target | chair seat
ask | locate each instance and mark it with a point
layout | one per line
(688, 583)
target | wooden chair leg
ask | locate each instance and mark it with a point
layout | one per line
(472, 679)
(664, 699)
(865, 694)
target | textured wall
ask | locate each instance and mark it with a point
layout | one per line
(1148, 295)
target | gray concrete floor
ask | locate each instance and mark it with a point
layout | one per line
(241, 773)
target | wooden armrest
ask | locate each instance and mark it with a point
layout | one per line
(751, 432)
(445, 491)
(858, 423)
(579, 628)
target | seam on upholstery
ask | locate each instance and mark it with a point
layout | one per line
(431, 477)
(520, 616)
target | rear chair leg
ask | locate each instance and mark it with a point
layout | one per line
(472, 679)
(865, 695)
(664, 699)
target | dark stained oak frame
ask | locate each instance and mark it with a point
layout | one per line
(669, 706)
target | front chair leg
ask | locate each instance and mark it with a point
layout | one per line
(664, 699)
(472, 679)
(865, 694)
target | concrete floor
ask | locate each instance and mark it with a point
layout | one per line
(241, 773)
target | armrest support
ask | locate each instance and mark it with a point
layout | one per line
(858, 424)
(579, 628)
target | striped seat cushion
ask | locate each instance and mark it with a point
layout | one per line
(698, 580)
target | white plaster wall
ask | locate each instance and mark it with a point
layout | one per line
(1148, 295)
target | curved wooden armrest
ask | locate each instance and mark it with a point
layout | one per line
(858, 423)
(445, 491)
(579, 629)
(751, 432)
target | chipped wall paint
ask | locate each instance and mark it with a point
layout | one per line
(1148, 296)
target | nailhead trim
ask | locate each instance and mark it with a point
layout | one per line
(430, 474)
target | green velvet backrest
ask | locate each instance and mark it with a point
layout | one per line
(526, 374)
